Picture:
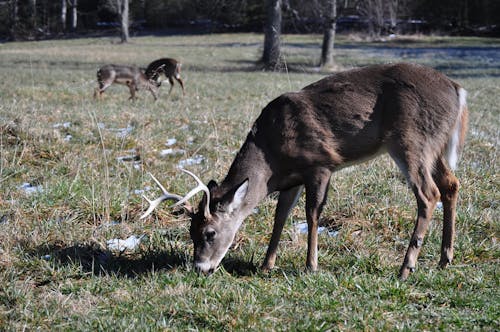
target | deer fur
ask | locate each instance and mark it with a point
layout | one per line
(414, 113)
(130, 76)
(169, 67)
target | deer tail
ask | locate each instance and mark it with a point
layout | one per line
(457, 138)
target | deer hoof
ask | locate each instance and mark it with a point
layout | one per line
(405, 272)
(444, 262)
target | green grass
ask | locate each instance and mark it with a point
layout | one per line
(57, 274)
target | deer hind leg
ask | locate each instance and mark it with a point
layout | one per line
(182, 84)
(171, 81)
(418, 172)
(448, 186)
(316, 193)
(287, 200)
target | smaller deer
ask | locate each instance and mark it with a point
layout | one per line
(171, 68)
(130, 76)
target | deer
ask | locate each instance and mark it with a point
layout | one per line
(171, 68)
(412, 112)
(131, 76)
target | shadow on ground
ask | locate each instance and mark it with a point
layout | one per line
(92, 259)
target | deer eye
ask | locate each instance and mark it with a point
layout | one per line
(210, 235)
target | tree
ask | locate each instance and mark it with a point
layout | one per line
(329, 35)
(64, 11)
(14, 18)
(121, 9)
(74, 14)
(374, 11)
(271, 55)
(124, 20)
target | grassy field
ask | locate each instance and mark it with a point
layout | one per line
(67, 187)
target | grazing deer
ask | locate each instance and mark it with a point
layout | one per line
(171, 68)
(130, 76)
(414, 113)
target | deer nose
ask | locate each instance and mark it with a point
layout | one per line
(203, 267)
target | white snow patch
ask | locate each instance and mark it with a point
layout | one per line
(171, 152)
(196, 160)
(29, 189)
(131, 243)
(301, 228)
(170, 141)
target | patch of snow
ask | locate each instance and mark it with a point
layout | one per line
(29, 189)
(63, 125)
(301, 228)
(142, 191)
(170, 141)
(171, 152)
(131, 243)
(196, 160)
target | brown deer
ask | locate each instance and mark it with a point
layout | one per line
(171, 68)
(130, 76)
(414, 113)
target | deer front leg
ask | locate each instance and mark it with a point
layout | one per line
(171, 81)
(100, 90)
(152, 90)
(286, 202)
(132, 88)
(316, 192)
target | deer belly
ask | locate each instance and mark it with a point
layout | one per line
(123, 80)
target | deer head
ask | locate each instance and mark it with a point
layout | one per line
(213, 225)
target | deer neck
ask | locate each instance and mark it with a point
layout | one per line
(249, 164)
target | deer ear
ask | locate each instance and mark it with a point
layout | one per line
(238, 197)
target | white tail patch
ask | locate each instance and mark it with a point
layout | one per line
(454, 140)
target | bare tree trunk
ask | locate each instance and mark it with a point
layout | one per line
(124, 20)
(393, 14)
(272, 53)
(64, 11)
(14, 18)
(329, 35)
(374, 11)
(74, 14)
(33, 14)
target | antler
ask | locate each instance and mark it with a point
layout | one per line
(180, 200)
(201, 187)
(153, 204)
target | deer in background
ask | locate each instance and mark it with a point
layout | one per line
(414, 113)
(171, 68)
(130, 76)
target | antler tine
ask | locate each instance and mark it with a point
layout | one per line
(200, 187)
(160, 185)
(153, 204)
